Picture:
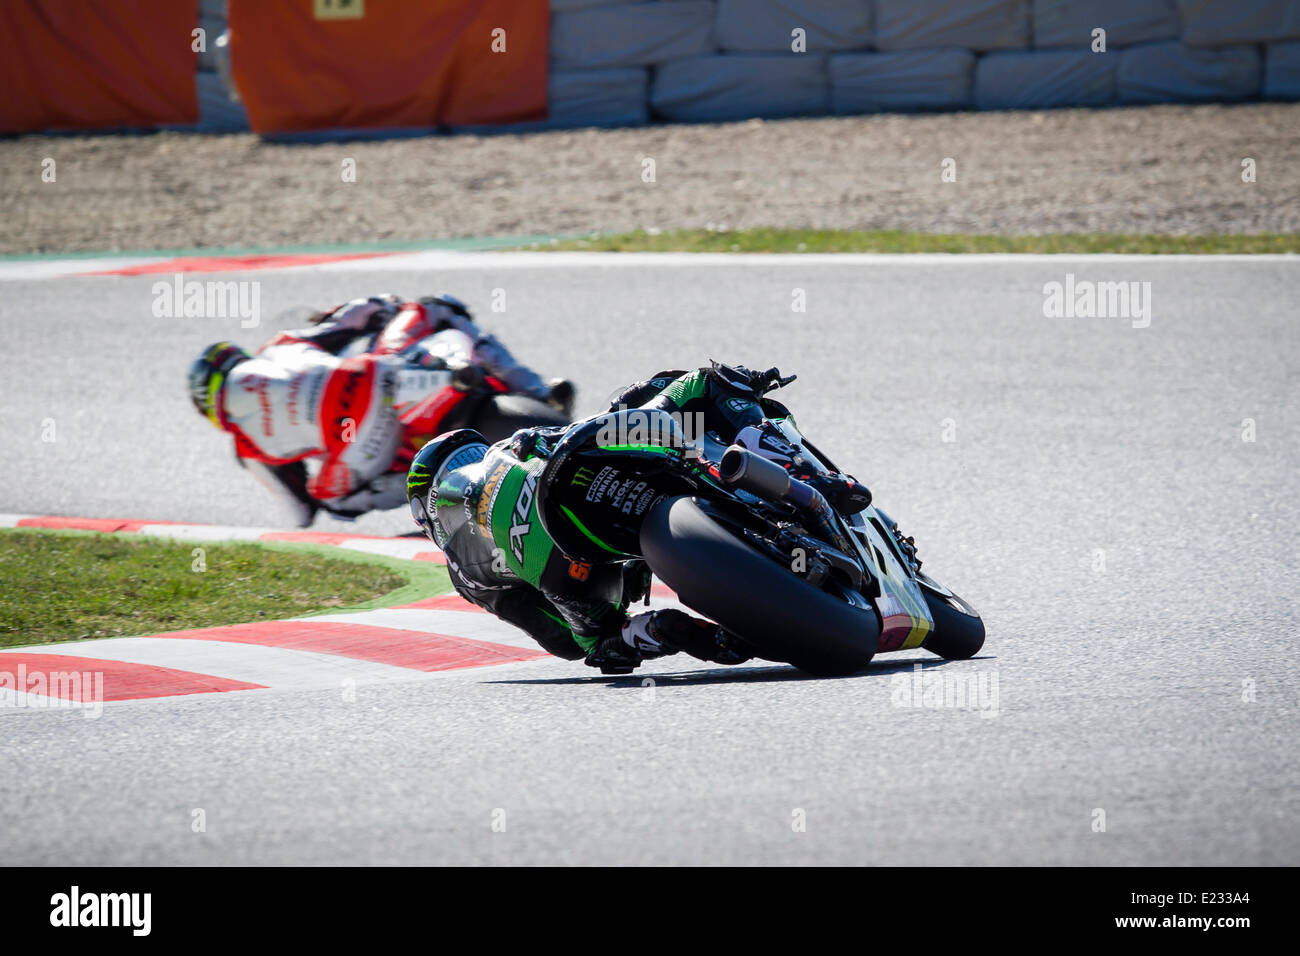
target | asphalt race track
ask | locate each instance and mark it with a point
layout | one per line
(1134, 559)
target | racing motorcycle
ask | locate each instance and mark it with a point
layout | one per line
(438, 387)
(747, 543)
(441, 389)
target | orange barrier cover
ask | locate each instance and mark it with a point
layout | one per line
(88, 64)
(338, 64)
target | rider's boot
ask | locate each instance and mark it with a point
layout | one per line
(614, 655)
(561, 396)
(653, 634)
(381, 493)
(289, 484)
(668, 630)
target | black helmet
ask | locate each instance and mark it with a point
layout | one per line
(434, 463)
(208, 378)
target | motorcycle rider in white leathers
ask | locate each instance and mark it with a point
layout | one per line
(296, 400)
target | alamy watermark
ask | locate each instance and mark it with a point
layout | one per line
(933, 689)
(129, 910)
(53, 690)
(630, 428)
(179, 299)
(1084, 299)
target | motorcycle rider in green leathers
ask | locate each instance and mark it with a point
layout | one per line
(478, 504)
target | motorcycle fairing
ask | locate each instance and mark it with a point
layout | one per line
(904, 618)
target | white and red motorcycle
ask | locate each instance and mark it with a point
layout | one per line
(443, 385)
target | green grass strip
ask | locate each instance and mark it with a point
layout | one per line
(80, 585)
(424, 579)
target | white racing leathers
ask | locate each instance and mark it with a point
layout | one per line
(419, 319)
(294, 401)
(297, 400)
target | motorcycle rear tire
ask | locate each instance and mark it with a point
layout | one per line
(782, 617)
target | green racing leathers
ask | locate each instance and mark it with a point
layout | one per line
(499, 556)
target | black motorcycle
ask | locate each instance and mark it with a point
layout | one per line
(745, 542)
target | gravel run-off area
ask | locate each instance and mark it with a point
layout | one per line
(1167, 170)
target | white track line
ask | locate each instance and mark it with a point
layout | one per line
(406, 548)
(61, 268)
(252, 663)
(488, 261)
(472, 625)
(203, 532)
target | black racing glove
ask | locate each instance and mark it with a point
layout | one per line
(743, 381)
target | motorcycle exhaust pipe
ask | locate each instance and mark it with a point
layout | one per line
(753, 473)
(742, 469)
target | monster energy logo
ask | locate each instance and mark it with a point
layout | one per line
(417, 477)
(582, 477)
